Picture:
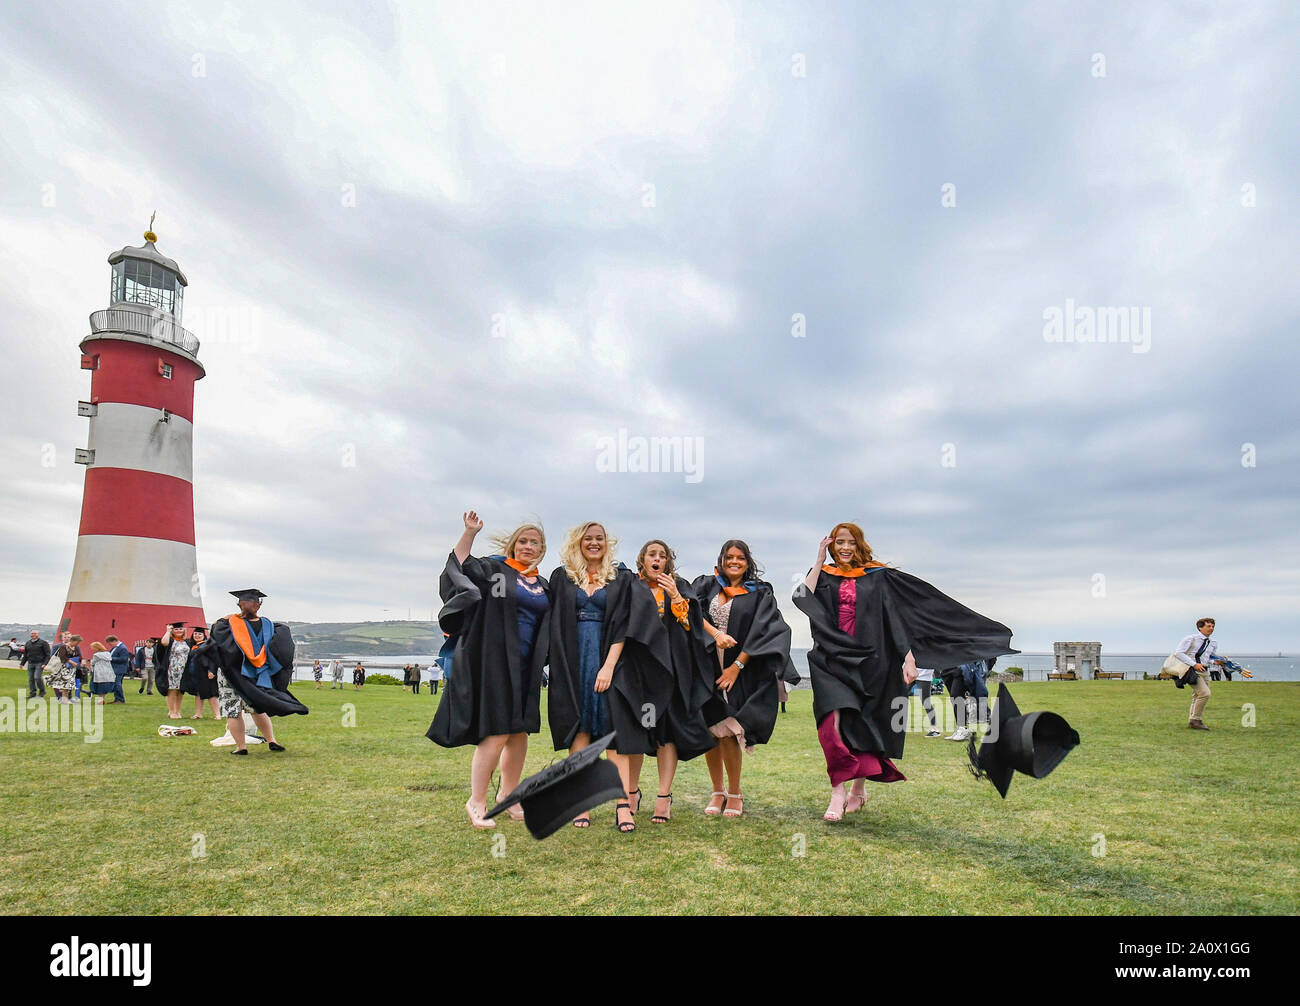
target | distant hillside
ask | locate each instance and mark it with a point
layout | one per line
(336, 639)
(320, 639)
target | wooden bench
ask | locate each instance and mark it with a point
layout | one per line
(1062, 676)
(1103, 675)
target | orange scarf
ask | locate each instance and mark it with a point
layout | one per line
(519, 567)
(850, 573)
(239, 631)
(730, 592)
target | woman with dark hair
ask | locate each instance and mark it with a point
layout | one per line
(200, 679)
(673, 726)
(752, 644)
(497, 610)
(871, 626)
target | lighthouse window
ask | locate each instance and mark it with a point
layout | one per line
(147, 282)
(166, 371)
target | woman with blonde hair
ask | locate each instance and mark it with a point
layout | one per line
(871, 626)
(102, 678)
(497, 610)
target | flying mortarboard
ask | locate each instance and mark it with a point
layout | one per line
(560, 792)
(251, 594)
(1033, 744)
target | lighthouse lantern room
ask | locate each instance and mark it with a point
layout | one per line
(135, 569)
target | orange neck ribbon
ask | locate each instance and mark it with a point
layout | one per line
(244, 640)
(521, 568)
(855, 571)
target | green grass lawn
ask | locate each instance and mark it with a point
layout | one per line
(370, 819)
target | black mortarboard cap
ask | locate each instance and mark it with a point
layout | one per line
(560, 792)
(1033, 744)
(247, 595)
(178, 625)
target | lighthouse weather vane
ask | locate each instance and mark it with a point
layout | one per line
(149, 235)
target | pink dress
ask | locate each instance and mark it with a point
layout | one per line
(842, 764)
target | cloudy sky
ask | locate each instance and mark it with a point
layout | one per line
(440, 259)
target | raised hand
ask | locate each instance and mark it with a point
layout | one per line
(473, 522)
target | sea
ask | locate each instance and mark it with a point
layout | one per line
(1270, 667)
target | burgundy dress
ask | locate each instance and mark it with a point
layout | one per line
(842, 764)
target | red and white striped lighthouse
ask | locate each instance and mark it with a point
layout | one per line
(136, 569)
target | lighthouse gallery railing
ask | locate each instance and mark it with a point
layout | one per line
(150, 326)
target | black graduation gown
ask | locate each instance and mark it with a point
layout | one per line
(488, 692)
(161, 655)
(195, 680)
(861, 675)
(756, 624)
(688, 656)
(564, 702)
(223, 651)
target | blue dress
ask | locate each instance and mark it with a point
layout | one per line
(591, 617)
(531, 603)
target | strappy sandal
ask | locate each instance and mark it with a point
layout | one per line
(862, 802)
(735, 813)
(712, 811)
(582, 822)
(635, 793)
(664, 818)
(624, 826)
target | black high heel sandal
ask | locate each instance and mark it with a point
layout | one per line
(660, 818)
(635, 793)
(623, 826)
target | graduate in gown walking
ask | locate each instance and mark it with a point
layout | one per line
(871, 625)
(252, 659)
(497, 610)
(751, 641)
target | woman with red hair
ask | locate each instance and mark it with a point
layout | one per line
(871, 625)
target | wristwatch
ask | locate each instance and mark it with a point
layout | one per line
(739, 663)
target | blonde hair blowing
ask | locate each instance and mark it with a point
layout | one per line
(506, 543)
(575, 563)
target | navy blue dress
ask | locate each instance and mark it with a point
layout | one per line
(591, 616)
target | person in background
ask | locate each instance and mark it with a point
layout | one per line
(317, 672)
(415, 678)
(121, 658)
(1196, 651)
(924, 682)
(172, 656)
(149, 668)
(35, 657)
(15, 649)
(199, 679)
(75, 657)
(954, 683)
(103, 679)
(358, 677)
(336, 674)
(435, 676)
(63, 672)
